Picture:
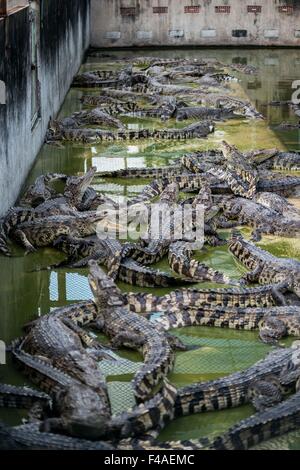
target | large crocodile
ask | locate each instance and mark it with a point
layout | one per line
(264, 266)
(68, 395)
(131, 330)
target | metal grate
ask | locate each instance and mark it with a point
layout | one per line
(254, 8)
(192, 9)
(286, 9)
(160, 10)
(222, 9)
(128, 11)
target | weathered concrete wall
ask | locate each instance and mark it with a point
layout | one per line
(119, 23)
(64, 37)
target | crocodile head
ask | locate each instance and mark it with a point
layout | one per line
(105, 291)
(37, 193)
(54, 129)
(290, 373)
(87, 421)
(77, 185)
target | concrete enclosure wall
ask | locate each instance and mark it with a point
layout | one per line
(119, 23)
(30, 93)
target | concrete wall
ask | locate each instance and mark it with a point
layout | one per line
(119, 23)
(64, 37)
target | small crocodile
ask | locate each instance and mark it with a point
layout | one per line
(57, 132)
(44, 231)
(273, 322)
(202, 112)
(180, 261)
(233, 390)
(40, 191)
(49, 202)
(133, 331)
(287, 161)
(81, 251)
(261, 218)
(59, 340)
(272, 422)
(279, 204)
(21, 397)
(265, 267)
(238, 173)
(29, 436)
(263, 296)
(94, 117)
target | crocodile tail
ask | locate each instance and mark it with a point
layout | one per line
(4, 249)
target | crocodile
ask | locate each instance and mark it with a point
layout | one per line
(153, 414)
(279, 204)
(103, 78)
(233, 390)
(265, 267)
(106, 250)
(131, 330)
(58, 132)
(78, 410)
(94, 117)
(273, 322)
(243, 297)
(180, 261)
(261, 218)
(241, 176)
(28, 437)
(272, 422)
(12, 396)
(159, 172)
(288, 126)
(40, 191)
(288, 161)
(59, 340)
(44, 231)
(201, 112)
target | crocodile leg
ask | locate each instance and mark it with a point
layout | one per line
(265, 393)
(83, 335)
(20, 237)
(271, 330)
(253, 276)
(129, 340)
(278, 296)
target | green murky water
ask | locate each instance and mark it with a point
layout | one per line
(26, 294)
